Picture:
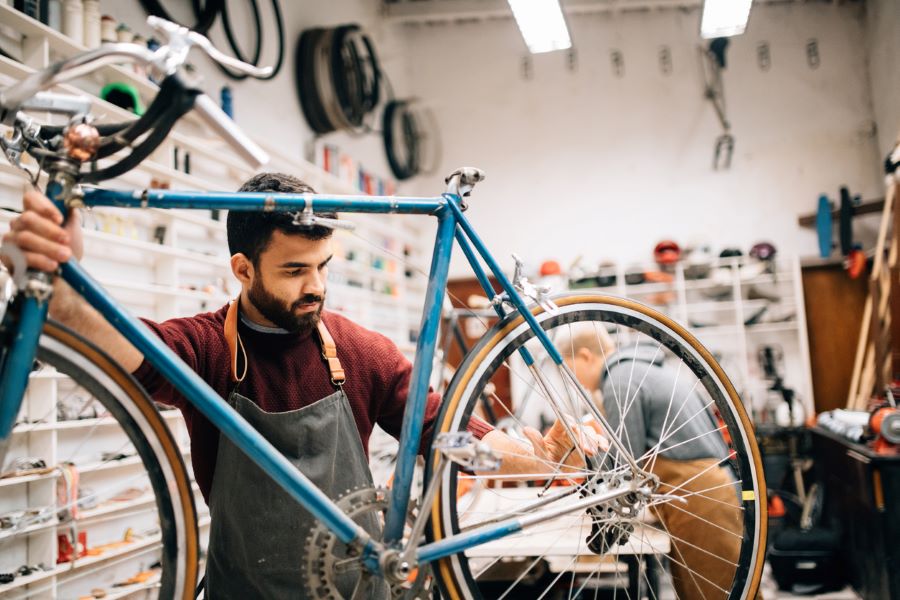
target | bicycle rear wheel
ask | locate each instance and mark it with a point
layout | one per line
(708, 515)
(129, 489)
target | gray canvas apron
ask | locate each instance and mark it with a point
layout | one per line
(257, 531)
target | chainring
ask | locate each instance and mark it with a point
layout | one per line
(325, 553)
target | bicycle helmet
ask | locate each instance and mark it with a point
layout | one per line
(763, 251)
(666, 252)
(550, 267)
(698, 262)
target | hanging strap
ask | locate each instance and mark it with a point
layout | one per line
(233, 339)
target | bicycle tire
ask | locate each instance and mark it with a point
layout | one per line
(455, 573)
(134, 411)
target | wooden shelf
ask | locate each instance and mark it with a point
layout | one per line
(866, 207)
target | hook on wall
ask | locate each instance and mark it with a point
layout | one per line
(665, 60)
(618, 62)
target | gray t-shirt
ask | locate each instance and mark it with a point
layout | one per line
(652, 395)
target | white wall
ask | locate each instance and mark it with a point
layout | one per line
(270, 110)
(883, 45)
(586, 163)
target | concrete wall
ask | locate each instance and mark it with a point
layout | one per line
(587, 163)
(883, 47)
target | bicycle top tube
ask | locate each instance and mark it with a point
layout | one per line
(257, 201)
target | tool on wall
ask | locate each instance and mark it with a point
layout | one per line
(713, 63)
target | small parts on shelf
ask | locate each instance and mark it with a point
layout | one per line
(142, 577)
(95, 593)
(26, 465)
(76, 406)
(20, 519)
(23, 571)
(67, 492)
(67, 551)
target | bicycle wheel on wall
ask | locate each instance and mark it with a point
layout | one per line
(705, 522)
(129, 489)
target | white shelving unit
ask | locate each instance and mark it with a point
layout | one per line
(163, 264)
(734, 312)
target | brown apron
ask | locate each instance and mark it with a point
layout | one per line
(257, 531)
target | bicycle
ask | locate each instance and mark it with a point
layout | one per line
(473, 528)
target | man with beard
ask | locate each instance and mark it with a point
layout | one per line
(312, 382)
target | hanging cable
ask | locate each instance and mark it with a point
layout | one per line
(257, 46)
(206, 15)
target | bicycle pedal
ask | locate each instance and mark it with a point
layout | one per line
(462, 448)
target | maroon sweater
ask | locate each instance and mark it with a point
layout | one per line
(286, 372)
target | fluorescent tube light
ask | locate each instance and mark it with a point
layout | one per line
(724, 18)
(542, 25)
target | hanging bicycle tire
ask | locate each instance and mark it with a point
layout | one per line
(205, 18)
(711, 524)
(305, 81)
(337, 78)
(411, 141)
(163, 517)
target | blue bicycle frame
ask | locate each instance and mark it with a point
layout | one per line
(452, 226)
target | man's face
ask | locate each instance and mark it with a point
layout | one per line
(288, 286)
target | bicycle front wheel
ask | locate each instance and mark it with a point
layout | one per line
(114, 473)
(669, 404)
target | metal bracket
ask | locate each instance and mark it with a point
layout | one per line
(462, 448)
(539, 293)
(307, 218)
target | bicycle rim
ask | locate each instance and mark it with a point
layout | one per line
(141, 487)
(561, 567)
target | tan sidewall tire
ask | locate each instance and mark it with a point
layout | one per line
(69, 346)
(472, 364)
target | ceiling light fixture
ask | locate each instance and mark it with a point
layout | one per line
(542, 25)
(724, 18)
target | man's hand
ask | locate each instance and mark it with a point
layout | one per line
(41, 236)
(548, 452)
(556, 448)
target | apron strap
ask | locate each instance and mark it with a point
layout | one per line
(233, 339)
(329, 353)
(234, 342)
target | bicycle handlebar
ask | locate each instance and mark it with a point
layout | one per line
(163, 62)
(15, 96)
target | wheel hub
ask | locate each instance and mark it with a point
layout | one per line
(612, 522)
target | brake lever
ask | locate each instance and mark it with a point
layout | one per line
(180, 40)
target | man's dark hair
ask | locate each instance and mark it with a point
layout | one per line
(250, 232)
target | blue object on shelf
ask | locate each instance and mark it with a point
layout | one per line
(227, 103)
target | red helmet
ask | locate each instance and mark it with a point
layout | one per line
(667, 252)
